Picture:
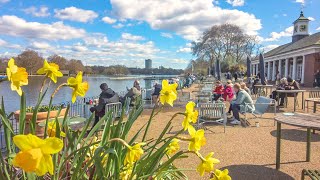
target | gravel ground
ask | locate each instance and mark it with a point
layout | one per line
(248, 153)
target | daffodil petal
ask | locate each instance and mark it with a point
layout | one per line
(52, 145)
(26, 142)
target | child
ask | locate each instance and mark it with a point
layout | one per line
(218, 91)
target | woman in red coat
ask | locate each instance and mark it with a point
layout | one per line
(218, 91)
(228, 93)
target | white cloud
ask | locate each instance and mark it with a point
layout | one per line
(270, 47)
(285, 15)
(275, 36)
(2, 42)
(130, 37)
(166, 35)
(187, 18)
(236, 2)
(4, 1)
(75, 14)
(118, 26)
(15, 26)
(311, 18)
(96, 40)
(186, 49)
(108, 20)
(40, 45)
(41, 12)
(79, 47)
(300, 1)
(318, 29)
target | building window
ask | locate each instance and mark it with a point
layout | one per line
(299, 71)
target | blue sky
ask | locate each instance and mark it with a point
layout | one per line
(107, 32)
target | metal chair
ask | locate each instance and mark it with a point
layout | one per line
(212, 112)
(261, 106)
(115, 108)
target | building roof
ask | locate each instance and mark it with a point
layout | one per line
(312, 40)
(302, 18)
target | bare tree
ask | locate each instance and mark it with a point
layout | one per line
(75, 66)
(224, 41)
(61, 61)
(29, 59)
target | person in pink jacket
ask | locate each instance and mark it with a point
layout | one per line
(228, 93)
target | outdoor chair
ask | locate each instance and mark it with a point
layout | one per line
(261, 106)
(212, 112)
(312, 174)
(185, 96)
(115, 108)
(312, 94)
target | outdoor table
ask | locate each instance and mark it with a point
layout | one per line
(295, 94)
(298, 120)
(260, 87)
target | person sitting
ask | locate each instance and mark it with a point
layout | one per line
(281, 86)
(218, 91)
(228, 93)
(242, 103)
(107, 96)
(156, 93)
(292, 85)
(255, 82)
(132, 93)
(244, 87)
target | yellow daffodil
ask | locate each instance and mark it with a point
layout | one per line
(51, 70)
(221, 175)
(17, 75)
(126, 173)
(207, 164)
(173, 147)
(191, 115)
(197, 139)
(92, 150)
(79, 88)
(35, 154)
(168, 93)
(134, 153)
(52, 130)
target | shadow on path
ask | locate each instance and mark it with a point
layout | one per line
(298, 135)
(256, 172)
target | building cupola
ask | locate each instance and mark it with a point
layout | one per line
(300, 28)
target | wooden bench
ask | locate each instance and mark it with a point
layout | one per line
(312, 94)
(313, 174)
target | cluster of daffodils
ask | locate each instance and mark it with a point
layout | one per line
(35, 153)
(196, 140)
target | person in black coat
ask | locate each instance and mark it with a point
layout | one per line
(107, 96)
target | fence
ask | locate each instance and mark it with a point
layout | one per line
(79, 108)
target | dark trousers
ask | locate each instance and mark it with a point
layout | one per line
(235, 111)
(216, 97)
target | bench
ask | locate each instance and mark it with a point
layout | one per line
(212, 112)
(312, 94)
(313, 174)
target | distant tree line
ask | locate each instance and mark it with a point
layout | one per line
(32, 61)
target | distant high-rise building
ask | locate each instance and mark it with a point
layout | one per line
(148, 64)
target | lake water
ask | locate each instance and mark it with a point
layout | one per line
(12, 99)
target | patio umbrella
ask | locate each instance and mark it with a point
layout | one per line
(261, 64)
(218, 70)
(248, 69)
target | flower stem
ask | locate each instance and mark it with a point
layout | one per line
(120, 140)
(58, 88)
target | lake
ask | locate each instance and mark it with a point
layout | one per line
(12, 99)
